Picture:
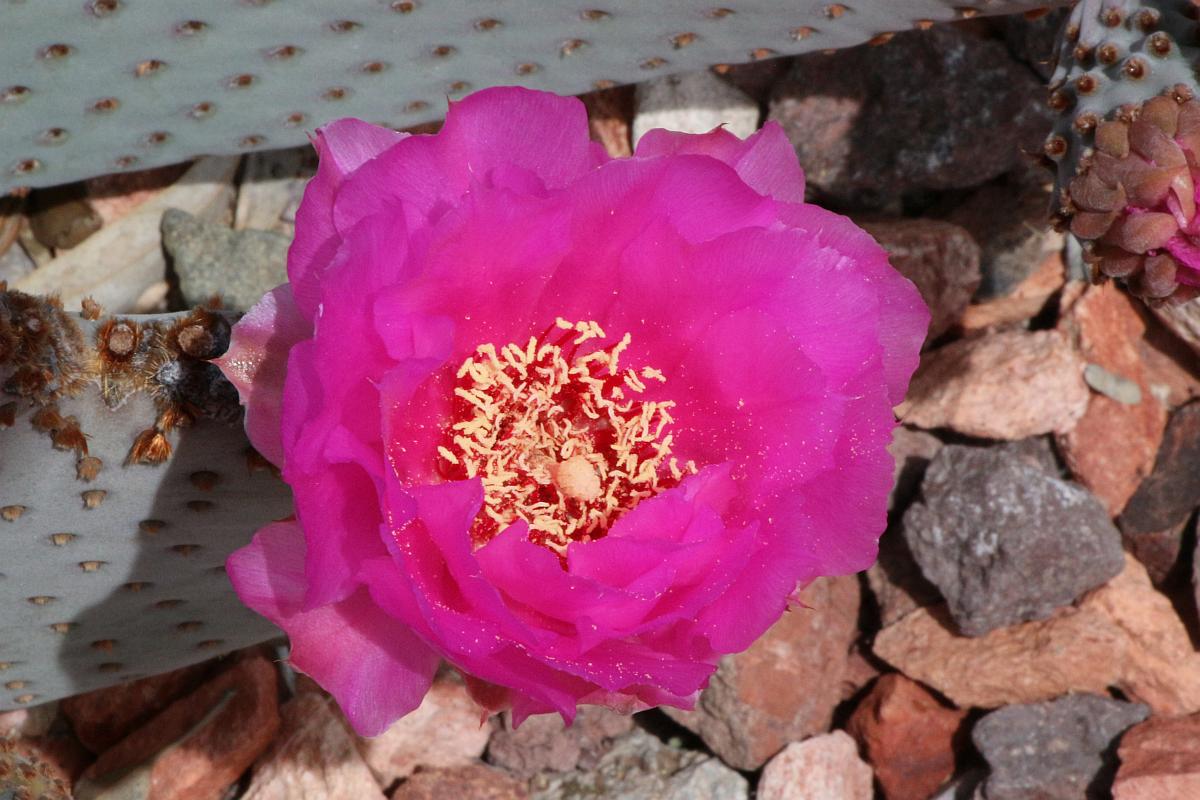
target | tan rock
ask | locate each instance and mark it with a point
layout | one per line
(198, 746)
(786, 685)
(1022, 303)
(1113, 445)
(312, 758)
(1162, 669)
(1125, 634)
(1020, 664)
(473, 782)
(1160, 760)
(1008, 385)
(445, 731)
(907, 736)
(825, 767)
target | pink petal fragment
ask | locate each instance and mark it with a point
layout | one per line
(343, 146)
(256, 364)
(766, 160)
(376, 669)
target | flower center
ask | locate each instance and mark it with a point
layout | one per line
(560, 435)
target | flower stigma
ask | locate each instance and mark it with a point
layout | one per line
(560, 435)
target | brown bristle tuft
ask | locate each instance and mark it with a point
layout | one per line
(173, 417)
(90, 309)
(150, 447)
(70, 437)
(47, 419)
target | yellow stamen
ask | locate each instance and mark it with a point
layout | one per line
(562, 440)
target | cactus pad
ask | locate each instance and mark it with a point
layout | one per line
(89, 87)
(1126, 144)
(125, 481)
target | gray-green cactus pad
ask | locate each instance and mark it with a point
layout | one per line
(120, 576)
(97, 86)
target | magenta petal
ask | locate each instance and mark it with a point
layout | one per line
(342, 146)
(256, 364)
(766, 160)
(377, 669)
(903, 316)
(1187, 254)
(339, 510)
(509, 126)
(783, 335)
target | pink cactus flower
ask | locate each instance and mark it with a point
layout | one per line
(577, 426)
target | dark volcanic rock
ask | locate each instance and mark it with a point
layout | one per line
(1168, 494)
(936, 109)
(1004, 541)
(1061, 750)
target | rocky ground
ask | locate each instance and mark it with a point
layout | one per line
(1030, 629)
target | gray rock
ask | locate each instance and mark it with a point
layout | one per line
(1004, 541)
(693, 102)
(640, 767)
(544, 743)
(1061, 750)
(210, 259)
(1112, 385)
(1036, 451)
(936, 109)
